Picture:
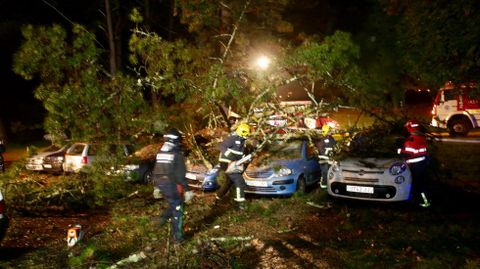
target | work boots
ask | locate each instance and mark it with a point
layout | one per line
(425, 203)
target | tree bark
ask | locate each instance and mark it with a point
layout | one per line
(111, 39)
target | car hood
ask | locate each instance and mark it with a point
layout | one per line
(263, 167)
(368, 163)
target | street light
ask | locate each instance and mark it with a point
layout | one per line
(263, 62)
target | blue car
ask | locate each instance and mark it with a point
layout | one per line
(199, 177)
(282, 168)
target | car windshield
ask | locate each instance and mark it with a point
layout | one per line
(76, 149)
(364, 145)
(277, 151)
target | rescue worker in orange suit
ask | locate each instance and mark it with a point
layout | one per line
(169, 176)
(231, 150)
(325, 151)
(414, 150)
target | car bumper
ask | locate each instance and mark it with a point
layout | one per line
(282, 186)
(34, 167)
(53, 167)
(202, 181)
(372, 192)
(437, 123)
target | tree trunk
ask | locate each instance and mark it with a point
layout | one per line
(111, 39)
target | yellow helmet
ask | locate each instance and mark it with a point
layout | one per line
(243, 130)
(325, 129)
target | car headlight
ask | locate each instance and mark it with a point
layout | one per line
(399, 179)
(283, 172)
(397, 168)
(60, 158)
(212, 171)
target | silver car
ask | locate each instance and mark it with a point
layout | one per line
(35, 163)
(78, 156)
(377, 179)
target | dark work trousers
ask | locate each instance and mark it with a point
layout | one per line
(235, 178)
(174, 210)
(420, 179)
(324, 167)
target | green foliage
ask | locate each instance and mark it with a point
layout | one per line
(438, 40)
(82, 102)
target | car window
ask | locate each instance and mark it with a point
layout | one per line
(76, 149)
(311, 151)
(92, 150)
(450, 95)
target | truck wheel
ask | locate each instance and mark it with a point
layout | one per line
(459, 127)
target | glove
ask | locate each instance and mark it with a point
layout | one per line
(157, 194)
(188, 196)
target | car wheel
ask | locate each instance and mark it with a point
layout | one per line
(459, 127)
(147, 176)
(301, 185)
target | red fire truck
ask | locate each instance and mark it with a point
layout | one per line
(457, 107)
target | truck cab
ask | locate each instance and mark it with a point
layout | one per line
(457, 108)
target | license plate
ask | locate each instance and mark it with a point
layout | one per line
(360, 189)
(191, 176)
(256, 183)
(47, 165)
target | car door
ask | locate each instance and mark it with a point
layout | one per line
(74, 157)
(312, 170)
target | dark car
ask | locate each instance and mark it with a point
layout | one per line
(3, 217)
(53, 162)
(36, 162)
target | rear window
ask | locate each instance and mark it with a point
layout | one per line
(76, 149)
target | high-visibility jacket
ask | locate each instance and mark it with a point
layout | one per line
(231, 149)
(325, 148)
(170, 165)
(414, 148)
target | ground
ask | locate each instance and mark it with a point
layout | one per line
(303, 231)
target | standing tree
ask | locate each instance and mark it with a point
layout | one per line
(82, 103)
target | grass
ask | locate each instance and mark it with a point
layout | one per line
(287, 231)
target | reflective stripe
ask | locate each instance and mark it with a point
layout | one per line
(164, 158)
(224, 160)
(323, 157)
(233, 151)
(171, 136)
(416, 160)
(415, 150)
(238, 197)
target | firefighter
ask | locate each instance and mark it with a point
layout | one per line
(169, 176)
(325, 151)
(232, 149)
(414, 150)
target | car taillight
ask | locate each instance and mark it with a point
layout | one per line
(84, 160)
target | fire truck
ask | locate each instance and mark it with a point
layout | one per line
(457, 107)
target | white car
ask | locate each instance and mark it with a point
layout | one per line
(376, 179)
(78, 156)
(35, 163)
